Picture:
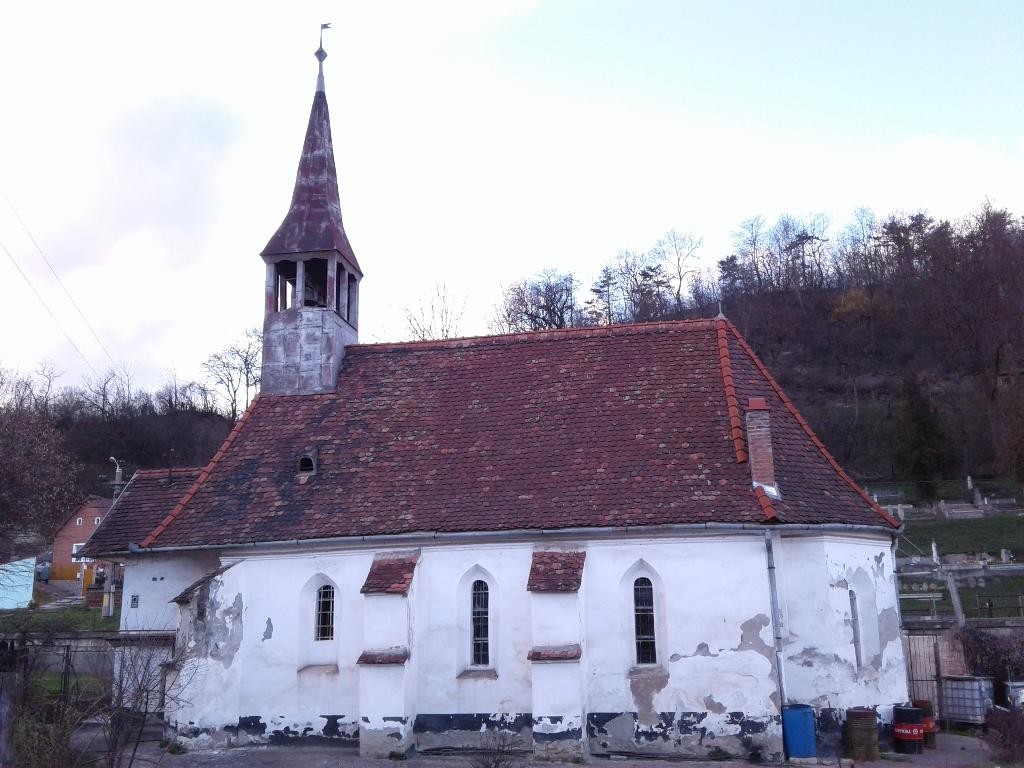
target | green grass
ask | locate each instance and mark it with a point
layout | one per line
(86, 686)
(987, 534)
(75, 619)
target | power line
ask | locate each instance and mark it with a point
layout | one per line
(47, 308)
(59, 281)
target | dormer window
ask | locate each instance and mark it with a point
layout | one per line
(307, 463)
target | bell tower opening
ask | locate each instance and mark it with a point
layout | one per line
(284, 273)
(352, 301)
(314, 292)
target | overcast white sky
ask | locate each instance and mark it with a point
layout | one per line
(151, 149)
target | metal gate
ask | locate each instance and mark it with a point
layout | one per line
(930, 657)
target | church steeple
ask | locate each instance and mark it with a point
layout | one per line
(314, 222)
(312, 290)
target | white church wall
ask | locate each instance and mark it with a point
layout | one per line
(817, 575)
(303, 687)
(713, 685)
(712, 690)
(556, 618)
(454, 697)
(386, 620)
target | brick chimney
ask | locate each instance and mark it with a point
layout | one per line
(759, 446)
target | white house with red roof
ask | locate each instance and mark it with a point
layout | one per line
(608, 540)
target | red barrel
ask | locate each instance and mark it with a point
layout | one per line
(908, 730)
(928, 721)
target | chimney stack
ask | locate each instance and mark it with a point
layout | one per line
(759, 447)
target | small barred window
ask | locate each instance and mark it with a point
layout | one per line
(481, 630)
(324, 613)
(643, 613)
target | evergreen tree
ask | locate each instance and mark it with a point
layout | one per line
(921, 449)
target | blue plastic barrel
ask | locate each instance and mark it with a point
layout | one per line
(798, 730)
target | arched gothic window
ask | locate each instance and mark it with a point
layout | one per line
(643, 616)
(479, 621)
(324, 618)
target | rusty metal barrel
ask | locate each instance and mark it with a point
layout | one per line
(862, 734)
(928, 721)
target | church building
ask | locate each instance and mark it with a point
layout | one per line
(607, 540)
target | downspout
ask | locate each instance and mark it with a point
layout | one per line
(773, 588)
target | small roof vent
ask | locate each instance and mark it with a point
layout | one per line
(309, 462)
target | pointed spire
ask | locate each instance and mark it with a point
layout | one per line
(313, 222)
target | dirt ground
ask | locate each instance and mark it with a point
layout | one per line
(954, 751)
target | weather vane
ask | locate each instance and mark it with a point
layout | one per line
(321, 54)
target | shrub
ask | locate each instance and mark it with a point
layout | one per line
(1006, 734)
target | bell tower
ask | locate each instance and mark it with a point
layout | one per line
(312, 291)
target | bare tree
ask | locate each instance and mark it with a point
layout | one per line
(37, 474)
(146, 679)
(47, 374)
(678, 250)
(547, 300)
(643, 284)
(223, 371)
(249, 353)
(438, 317)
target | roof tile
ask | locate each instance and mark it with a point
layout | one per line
(616, 426)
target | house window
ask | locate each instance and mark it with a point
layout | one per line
(855, 626)
(643, 615)
(135, 601)
(78, 521)
(324, 629)
(74, 554)
(481, 632)
(96, 521)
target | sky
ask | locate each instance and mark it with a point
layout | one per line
(149, 150)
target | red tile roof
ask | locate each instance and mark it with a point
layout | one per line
(143, 503)
(627, 425)
(556, 571)
(391, 573)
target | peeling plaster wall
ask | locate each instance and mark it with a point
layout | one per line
(441, 634)
(286, 685)
(157, 579)
(816, 576)
(714, 684)
(713, 691)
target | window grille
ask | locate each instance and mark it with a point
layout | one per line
(643, 613)
(481, 637)
(324, 613)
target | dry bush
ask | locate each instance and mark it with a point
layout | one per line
(497, 749)
(1006, 734)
